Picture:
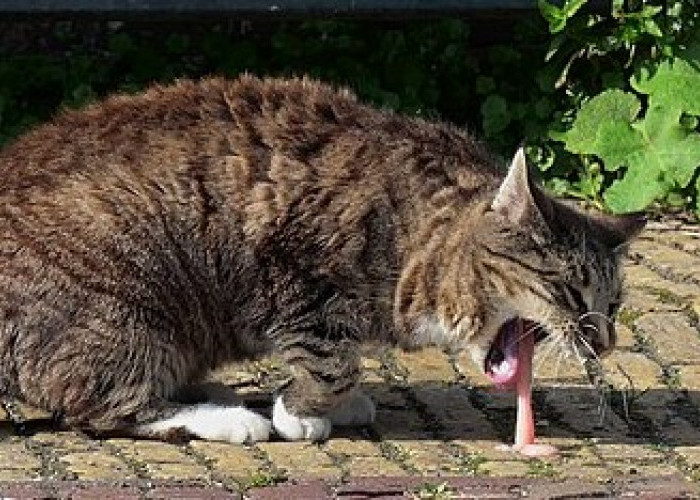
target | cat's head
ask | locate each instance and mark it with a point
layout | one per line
(549, 264)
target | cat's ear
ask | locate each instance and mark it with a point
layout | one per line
(616, 231)
(514, 199)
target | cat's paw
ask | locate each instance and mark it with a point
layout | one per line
(357, 409)
(295, 428)
(215, 423)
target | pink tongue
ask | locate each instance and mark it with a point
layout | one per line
(525, 423)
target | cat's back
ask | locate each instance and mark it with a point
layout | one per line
(208, 117)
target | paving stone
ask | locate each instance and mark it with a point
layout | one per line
(301, 460)
(95, 465)
(485, 450)
(644, 300)
(29, 412)
(625, 337)
(505, 469)
(453, 410)
(239, 462)
(373, 466)
(352, 447)
(571, 449)
(638, 275)
(579, 407)
(571, 489)
(681, 263)
(16, 489)
(315, 490)
(431, 457)
(553, 366)
(625, 452)
(632, 371)
(675, 339)
(400, 424)
(91, 491)
(15, 455)
(64, 441)
(689, 376)
(18, 474)
(190, 492)
(148, 451)
(427, 365)
(180, 471)
(643, 470)
(690, 454)
(578, 470)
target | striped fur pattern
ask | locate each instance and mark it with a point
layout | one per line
(148, 239)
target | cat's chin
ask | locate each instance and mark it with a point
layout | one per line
(502, 364)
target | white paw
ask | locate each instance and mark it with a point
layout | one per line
(295, 428)
(216, 423)
(356, 409)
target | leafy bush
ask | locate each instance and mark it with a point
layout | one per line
(636, 128)
(607, 100)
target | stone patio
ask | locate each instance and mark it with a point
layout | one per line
(636, 432)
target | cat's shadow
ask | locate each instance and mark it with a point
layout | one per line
(453, 412)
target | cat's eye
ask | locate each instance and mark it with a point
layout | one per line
(576, 298)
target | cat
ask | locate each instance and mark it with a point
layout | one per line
(148, 239)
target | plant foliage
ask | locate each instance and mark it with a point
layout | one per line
(605, 95)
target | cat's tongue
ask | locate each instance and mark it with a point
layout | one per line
(525, 423)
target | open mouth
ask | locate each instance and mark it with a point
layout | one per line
(503, 359)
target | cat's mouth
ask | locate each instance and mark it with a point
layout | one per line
(503, 359)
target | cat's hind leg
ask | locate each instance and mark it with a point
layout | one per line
(356, 409)
(233, 424)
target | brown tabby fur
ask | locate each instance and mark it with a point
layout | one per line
(151, 238)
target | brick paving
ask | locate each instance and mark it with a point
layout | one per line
(635, 433)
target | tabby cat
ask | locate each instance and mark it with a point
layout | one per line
(148, 239)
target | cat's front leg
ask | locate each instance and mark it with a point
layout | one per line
(323, 391)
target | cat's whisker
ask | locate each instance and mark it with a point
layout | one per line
(596, 313)
(590, 349)
(553, 344)
(557, 365)
(533, 329)
(577, 353)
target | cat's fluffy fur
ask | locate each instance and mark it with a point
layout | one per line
(150, 238)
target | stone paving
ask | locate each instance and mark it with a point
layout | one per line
(438, 421)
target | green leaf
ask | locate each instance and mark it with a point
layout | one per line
(485, 84)
(553, 15)
(652, 28)
(669, 157)
(659, 151)
(557, 17)
(668, 143)
(640, 186)
(675, 83)
(603, 127)
(495, 113)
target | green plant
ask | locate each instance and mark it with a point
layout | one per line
(606, 99)
(637, 131)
